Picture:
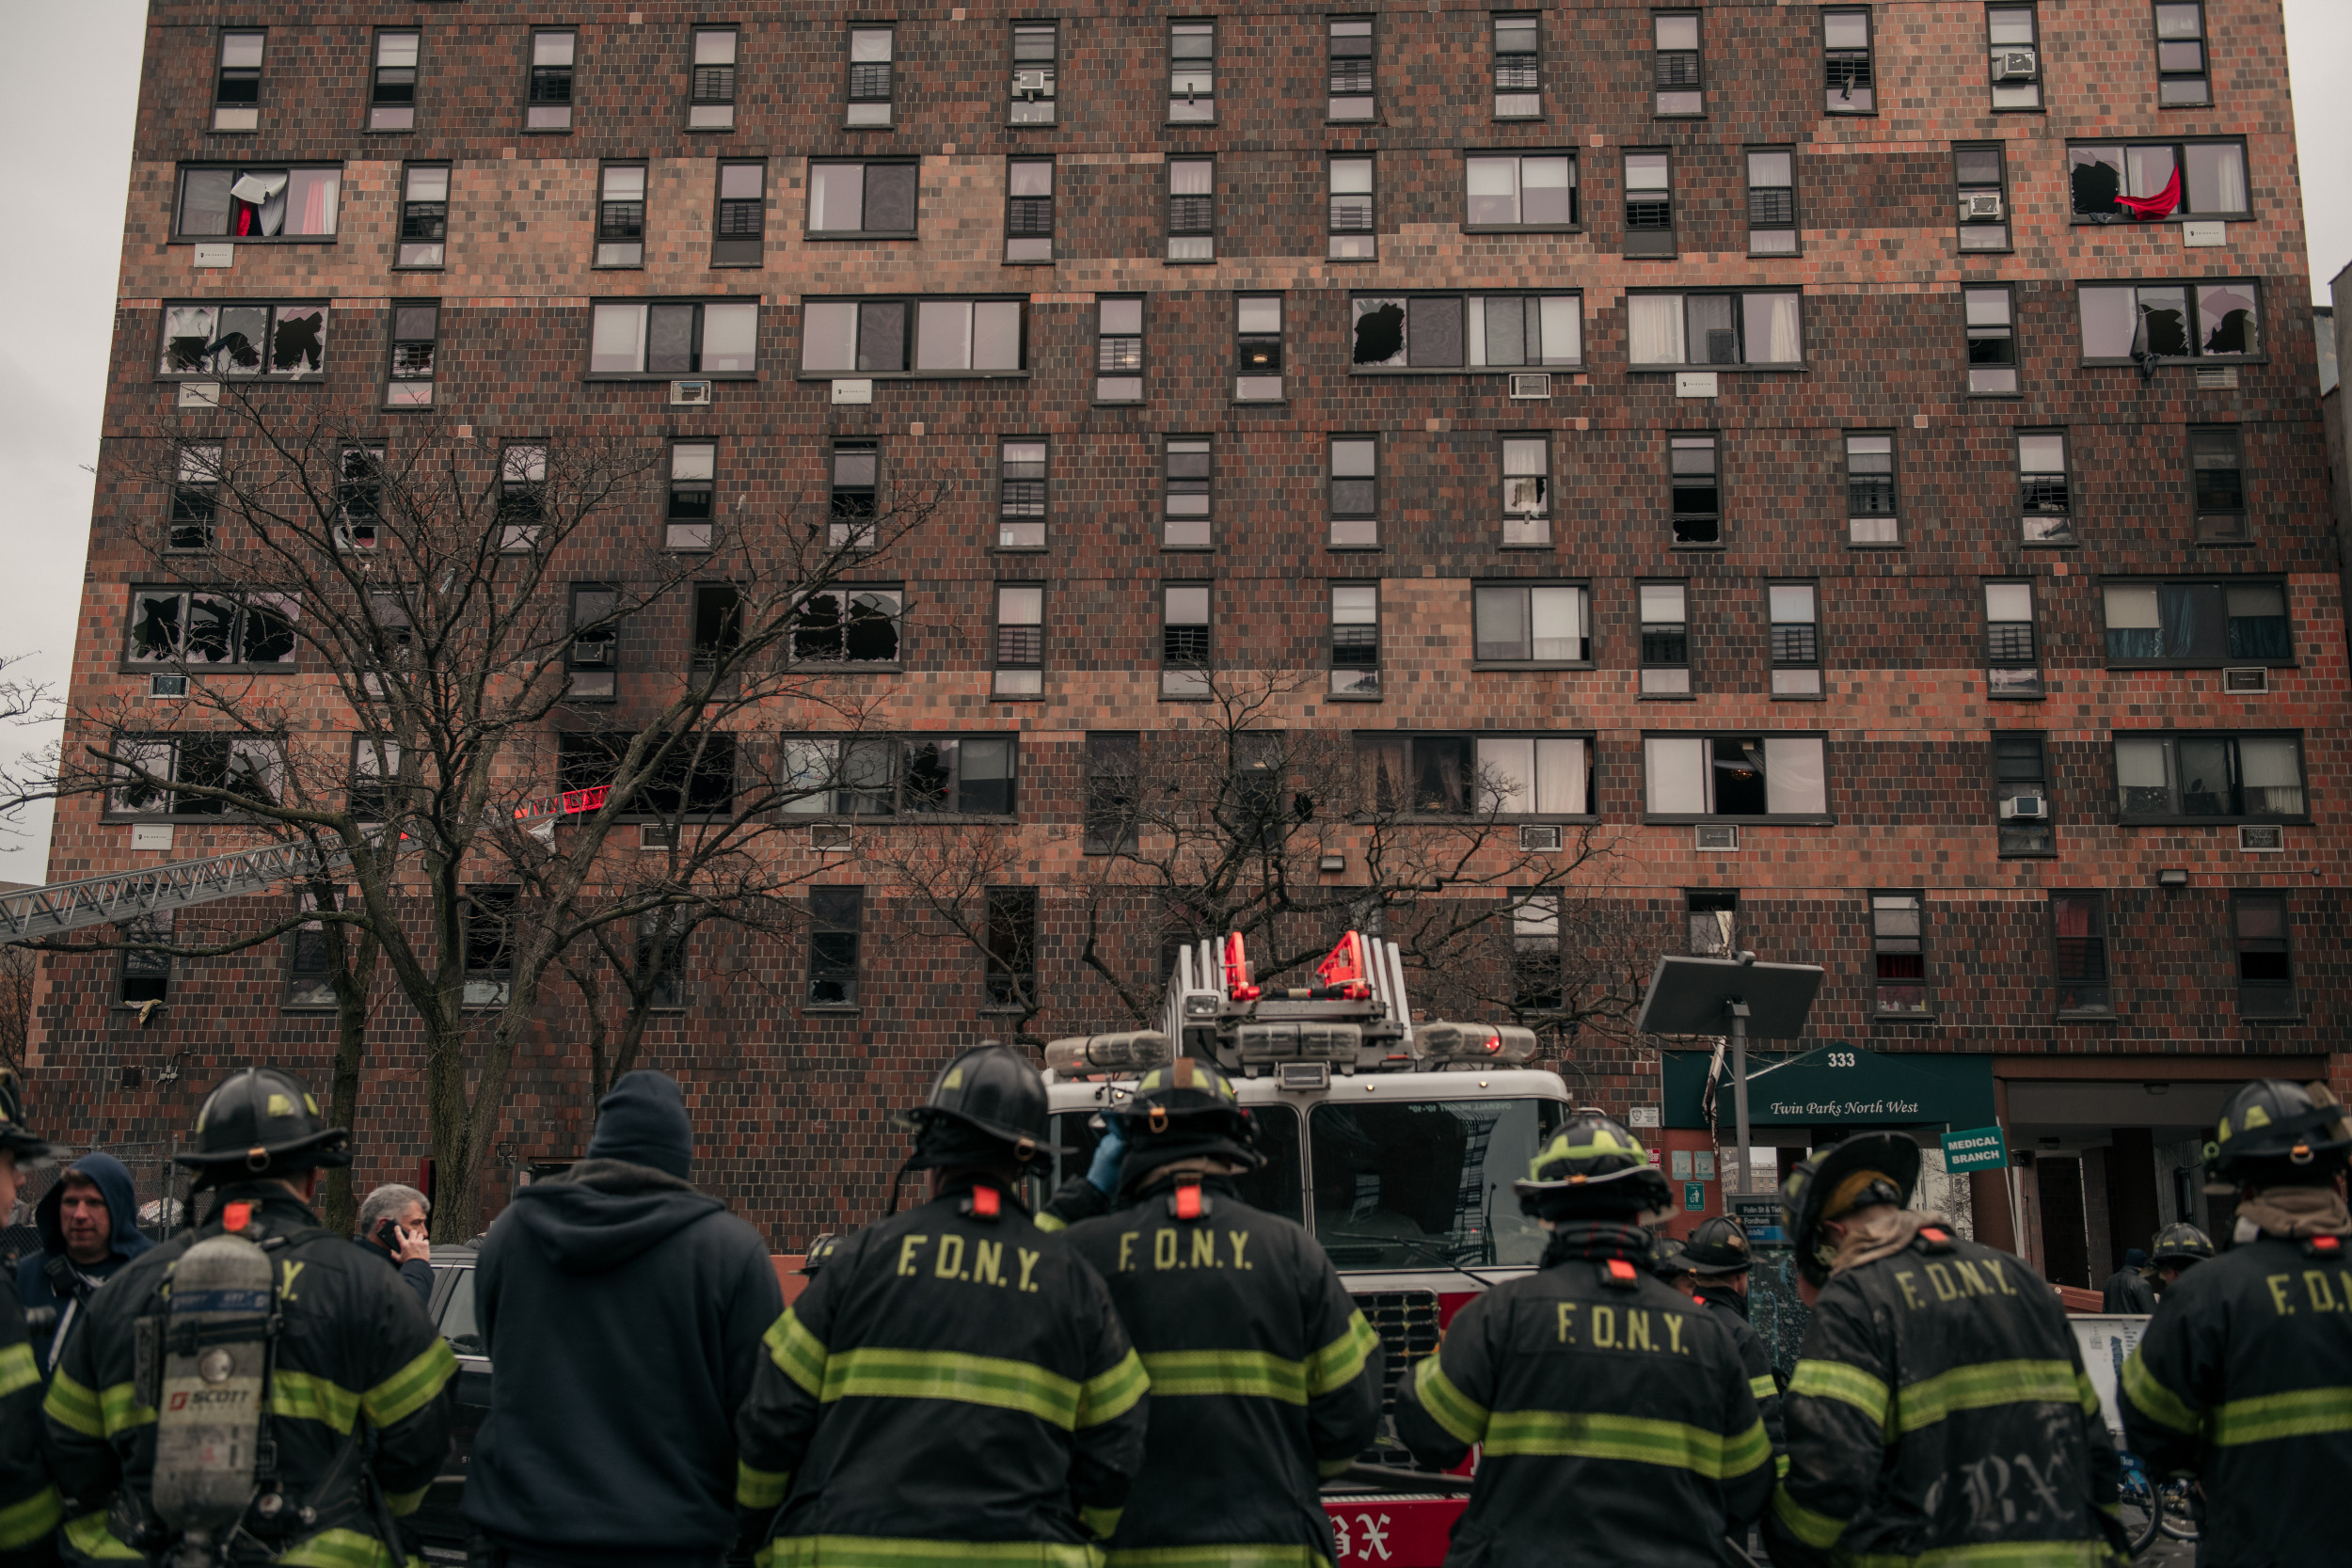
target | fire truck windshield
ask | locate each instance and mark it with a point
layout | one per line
(1426, 1185)
(1274, 1189)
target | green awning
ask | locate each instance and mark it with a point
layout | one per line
(1837, 1085)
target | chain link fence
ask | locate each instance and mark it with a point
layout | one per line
(160, 1186)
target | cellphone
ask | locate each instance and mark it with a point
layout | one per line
(388, 1235)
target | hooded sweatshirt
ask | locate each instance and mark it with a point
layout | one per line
(623, 1311)
(124, 1242)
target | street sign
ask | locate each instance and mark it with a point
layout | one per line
(1983, 1148)
(1693, 1197)
(1760, 1218)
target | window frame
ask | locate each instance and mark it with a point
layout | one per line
(1577, 221)
(1963, 189)
(644, 340)
(1688, 439)
(377, 85)
(1331, 479)
(160, 968)
(1171, 233)
(2219, 581)
(845, 918)
(2101, 935)
(1042, 518)
(1282, 347)
(1711, 737)
(713, 600)
(1775, 663)
(848, 591)
(400, 241)
(2066, 531)
(1050, 91)
(1053, 180)
(227, 112)
(1925, 1009)
(2247, 987)
(812, 234)
(1473, 338)
(304, 941)
(2178, 145)
(1192, 23)
(1035, 661)
(2205, 49)
(398, 381)
(2171, 737)
(605, 637)
(128, 742)
(367, 484)
(910, 336)
(1536, 525)
(2010, 843)
(1739, 319)
(2041, 64)
(1107, 805)
(1026, 899)
(2204, 521)
(1794, 227)
(677, 529)
(850, 63)
(2029, 686)
(242, 604)
(618, 240)
(1664, 686)
(2192, 288)
(1527, 588)
(1869, 60)
(1969, 334)
(1335, 238)
(1666, 244)
(696, 119)
(325, 309)
(1375, 689)
(1372, 92)
(1141, 336)
(1494, 67)
(532, 126)
(721, 237)
(194, 500)
(1207, 516)
(1658, 86)
(1206, 667)
(1894, 516)
(1368, 743)
(240, 168)
(844, 528)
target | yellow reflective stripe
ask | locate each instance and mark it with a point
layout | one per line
(2152, 1398)
(1836, 1380)
(1050, 1223)
(89, 1536)
(1981, 1387)
(25, 1522)
(1636, 1439)
(755, 1488)
(1252, 1372)
(1226, 1556)
(1996, 1554)
(404, 1503)
(873, 1551)
(17, 1369)
(70, 1404)
(2088, 1394)
(2304, 1413)
(411, 1388)
(1107, 1396)
(1104, 1522)
(1460, 1415)
(1813, 1529)
(1342, 1362)
(798, 1354)
(873, 1372)
(1780, 1466)
(313, 1399)
(1744, 1453)
(1764, 1387)
(119, 1408)
(336, 1548)
(1326, 1468)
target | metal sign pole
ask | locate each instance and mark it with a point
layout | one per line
(1740, 1097)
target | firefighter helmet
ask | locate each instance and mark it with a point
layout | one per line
(989, 1091)
(262, 1122)
(2181, 1244)
(1591, 1163)
(820, 1253)
(1719, 1246)
(15, 1137)
(1867, 1168)
(2273, 1129)
(1669, 1258)
(1186, 1110)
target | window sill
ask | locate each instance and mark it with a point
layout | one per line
(1928, 1018)
(199, 671)
(2237, 543)
(2205, 664)
(2170, 220)
(305, 1009)
(1684, 819)
(1354, 697)
(2108, 1017)
(1777, 366)
(544, 130)
(2018, 396)
(820, 668)
(2060, 542)
(855, 237)
(1522, 228)
(2180, 361)
(994, 696)
(1578, 368)
(1259, 403)
(308, 378)
(1715, 544)
(737, 266)
(1352, 260)
(889, 376)
(443, 267)
(653, 378)
(1506, 664)
(1121, 403)
(1665, 696)
(1020, 550)
(1800, 696)
(1992, 696)
(832, 1009)
(1891, 544)
(2026, 855)
(616, 266)
(2303, 821)
(242, 240)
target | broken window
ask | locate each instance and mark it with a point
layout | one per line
(621, 216)
(279, 340)
(718, 338)
(424, 215)
(952, 337)
(718, 622)
(522, 496)
(1011, 954)
(837, 920)
(2021, 793)
(1991, 327)
(248, 203)
(870, 50)
(1695, 493)
(1779, 775)
(1520, 622)
(358, 497)
(968, 775)
(416, 342)
(694, 496)
(2193, 625)
(1898, 952)
(195, 496)
(742, 217)
(1850, 86)
(1980, 179)
(1112, 763)
(1191, 72)
(550, 105)
(1665, 617)
(237, 88)
(1519, 68)
(393, 90)
(145, 977)
(1795, 612)
(2079, 962)
(1870, 515)
(1772, 202)
(1351, 96)
(1650, 208)
(2012, 663)
(1352, 237)
(594, 657)
(1715, 329)
(1020, 640)
(2216, 472)
(695, 777)
(1119, 348)
(2127, 324)
(1187, 505)
(1526, 490)
(1021, 493)
(1466, 331)
(2159, 180)
(862, 200)
(1521, 190)
(1257, 351)
(1029, 209)
(2044, 489)
(163, 775)
(1711, 917)
(853, 500)
(2181, 69)
(1482, 775)
(487, 928)
(1033, 73)
(2265, 969)
(1681, 88)
(1535, 958)
(2206, 776)
(310, 976)
(1355, 491)
(1185, 639)
(1354, 640)
(849, 626)
(1191, 210)
(710, 106)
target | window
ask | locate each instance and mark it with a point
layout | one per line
(852, 502)
(1680, 89)
(1796, 637)
(2197, 624)
(1537, 623)
(2265, 971)
(2206, 777)
(867, 200)
(1191, 72)
(1029, 209)
(836, 919)
(1021, 495)
(2045, 496)
(621, 216)
(2079, 931)
(1521, 191)
(2216, 472)
(1020, 640)
(1119, 348)
(145, 977)
(1112, 763)
(710, 106)
(522, 496)
(2132, 324)
(424, 215)
(248, 768)
(695, 778)
(969, 775)
(2157, 180)
(1482, 775)
(486, 927)
(1258, 348)
(1773, 203)
(551, 81)
(1454, 332)
(1666, 638)
(309, 978)
(393, 90)
(1352, 236)
(1982, 182)
(1185, 639)
(870, 54)
(2181, 69)
(358, 497)
(1033, 73)
(1714, 329)
(1695, 495)
(693, 490)
(1778, 775)
(849, 626)
(720, 338)
(195, 497)
(1355, 491)
(1351, 69)
(2021, 793)
(249, 204)
(2012, 663)
(1850, 86)
(2016, 57)
(1526, 490)
(1991, 333)
(952, 337)
(1712, 917)
(1012, 958)
(237, 89)
(662, 937)
(1354, 640)
(1519, 68)
(279, 342)
(1898, 952)
(594, 658)
(1187, 502)
(718, 623)
(1191, 210)
(1535, 968)
(1870, 515)
(1649, 205)
(374, 777)
(742, 219)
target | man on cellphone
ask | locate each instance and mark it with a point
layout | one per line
(391, 1226)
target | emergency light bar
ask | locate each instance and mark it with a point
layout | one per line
(1136, 1051)
(1440, 1041)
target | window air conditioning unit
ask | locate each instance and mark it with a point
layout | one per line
(1542, 838)
(2217, 378)
(2260, 838)
(598, 653)
(689, 394)
(1530, 384)
(1982, 204)
(2025, 808)
(1032, 82)
(1719, 835)
(167, 686)
(830, 838)
(2249, 683)
(2016, 65)
(657, 835)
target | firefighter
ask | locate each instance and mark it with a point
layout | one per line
(347, 1416)
(2243, 1377)
(1264, 1376)
(30, 1510)
(954, 1386)
(1718, 1257)
(1617, 1421)
(2177, 1249)
(1939, 1412)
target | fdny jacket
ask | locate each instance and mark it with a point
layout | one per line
(1618, 1421)
(1263, 1376)
(30, 1510)
(356, 1363)
(2244, 1379)
(1758, 1362)
(1940, 1414)
(953, 1385)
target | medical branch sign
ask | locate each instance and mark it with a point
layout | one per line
(1983, 1148)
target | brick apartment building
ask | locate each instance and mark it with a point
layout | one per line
(1875, 446)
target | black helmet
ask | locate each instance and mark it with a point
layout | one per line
(2183, 1244)
(1184, 1110)
(1867, 1168)
(1669, 1258)
(2276, 1131)
(988, 1090)
(1720, 1245)
(15, 1137)
(1591, 1164)
(262, 1122)
(820, 1253)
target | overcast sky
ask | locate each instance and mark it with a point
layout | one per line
(72, 75)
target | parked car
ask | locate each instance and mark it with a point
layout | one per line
(452, 1311)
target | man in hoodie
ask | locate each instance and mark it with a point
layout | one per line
(90, 1227)
(622, 1310)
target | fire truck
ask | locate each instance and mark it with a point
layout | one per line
(1394, 1142)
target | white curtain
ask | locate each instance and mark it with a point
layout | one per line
(1675, 766)
(1559, 623)
(1559, 774)
(1776, 335)
(1795, 782)
(1654, 323)
(617, 342)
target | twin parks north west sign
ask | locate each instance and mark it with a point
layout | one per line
(1835, 1085)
